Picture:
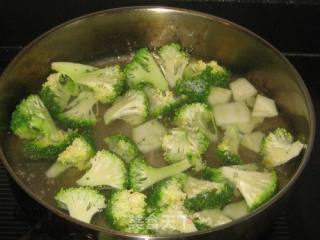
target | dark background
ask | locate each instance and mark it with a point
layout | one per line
(291, 26)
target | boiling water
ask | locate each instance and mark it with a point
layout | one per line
(32, 173)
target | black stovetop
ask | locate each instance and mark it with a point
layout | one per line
(291, 26)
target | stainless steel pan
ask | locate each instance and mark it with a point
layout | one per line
(117, 32)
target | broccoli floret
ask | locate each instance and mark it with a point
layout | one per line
(107, 169)
(107, 83)
(197, 117)
(209, 218)
(81, 203)
(56, 92)
(31, 120)
(161, 103)
(167, 192)
(196, 88)
(203, 194)
(227, 150)
(218, 77)
(142, 176)
(255, 187)
(49, 147)
(123, 146)
(180, 144)
(72, 69)
(76, 155)
(126, 211)
(170, 220)
(144, 70)
(278, 147)
(80, 112)
(173, 61)
(132, 108)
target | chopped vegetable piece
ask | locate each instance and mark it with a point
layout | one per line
(132, 108)
(126, 211)
(218, 95)
(107, 169)
(253, 141)
(231, 113)
(82, 202)
(236, 210)
(264, 107)
(144, 70)
(148, 136)
(242, 89)
(278, 147)
(173, 61)
(209, 218)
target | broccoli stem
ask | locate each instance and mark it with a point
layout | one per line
(56, 169)
(157, 174)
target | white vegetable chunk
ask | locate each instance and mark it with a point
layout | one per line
(148, 136)
(236, 210)
(219, 95)
(253, 141)
(248, 127)
(264, 107)
(242, 89)
(231, 113)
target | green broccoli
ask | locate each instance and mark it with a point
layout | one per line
(142, 176)
(161, 103)
(79, 112)
(123, 146)
(196, 88)
(107, 169)
(180, 144)
(278, 147)
(209, 218)
(173, 61)
(132, 108)
(255, 187)
(197, 117)
(107, 83)
(32, 121)
(82, 203)
(76, 155)
(71, 69)
(218, 76)
(167, 192)
(171, 220)
(144, 70)
(56, 92)
(126, 211)
(227, 150)
(202, 194)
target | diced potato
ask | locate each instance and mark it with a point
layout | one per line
(219, 95)
(236, 210)
(264, 107)
(231, 113)
(242, 89)
(253, 141)
(248, 127)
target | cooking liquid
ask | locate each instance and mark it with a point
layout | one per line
(32, 173)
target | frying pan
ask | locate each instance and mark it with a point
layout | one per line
(102, 36)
